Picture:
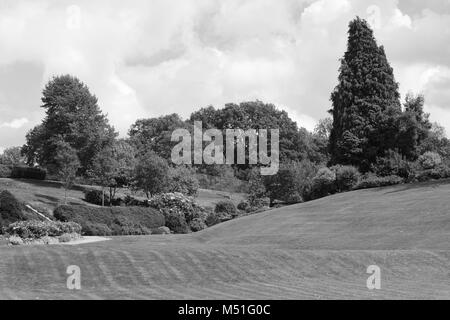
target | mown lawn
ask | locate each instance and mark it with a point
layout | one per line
(315, 250)
(45, 196)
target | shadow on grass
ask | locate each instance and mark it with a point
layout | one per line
(418, 185)
(43, 196)
(48, 184)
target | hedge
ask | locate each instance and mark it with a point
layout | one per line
(28, 173)
(5, 171)
(103, 221)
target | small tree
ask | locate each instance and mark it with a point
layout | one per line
(103, 169)
(151, 174)
(256, 187)
(67, 165)
(12, 157)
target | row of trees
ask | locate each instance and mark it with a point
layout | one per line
(369, 121)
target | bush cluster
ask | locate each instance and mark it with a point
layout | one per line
(181, 212)
(430, 160)
(5, 171)
(101, 221)
(374, 181)
(11, 209)
(34, 229)
(94, 196)
(227, 207)
(28, 173)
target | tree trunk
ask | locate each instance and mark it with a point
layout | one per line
(110, 197)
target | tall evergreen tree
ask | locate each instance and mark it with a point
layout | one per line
(365, 102)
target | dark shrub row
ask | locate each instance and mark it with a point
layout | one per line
(373, 181)
(182, 213)
(34, 229)
(101, 221)
(11, 209)
(28, 173)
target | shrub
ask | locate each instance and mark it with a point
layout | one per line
(11, 210)
(34, 229)
(96, 229)
(177, 207)
(292, 178)
(373, 181)
(214, 218)
(197, 225)
(5, 171)
(67, 237)
(430, 160)
(94, 196)
(346, 177)
(440, 172)
(176, 221)
(28, 173)
(103, 221)
(243, 206)
(323, 183)
(130, 201)
(183, 180)
(393, 163)
(227, 207)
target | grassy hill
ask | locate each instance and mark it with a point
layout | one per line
(45, 196)
(316, 250)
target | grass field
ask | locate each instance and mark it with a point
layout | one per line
(316, 250)
(45, 196)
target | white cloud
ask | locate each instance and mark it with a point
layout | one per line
(14, 124)
(151, 58)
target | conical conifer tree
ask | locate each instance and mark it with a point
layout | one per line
(365, 101)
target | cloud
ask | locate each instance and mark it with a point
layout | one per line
(146, 59)
(14, 124)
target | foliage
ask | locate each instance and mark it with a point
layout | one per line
(346, 177)
(34, 229)
(5, 171)
(243, 206)
(365, 101)
(67, 165)
(179, 210)
(292, 182)
(413, 126)
(28, 173)
(323, 183)
(294, 144)
(151, 174)
(227, 207)
(95, 196)
(155, 134)
(12, 157)
(182, 179)
(430, 160)
(439, 172)
(11, 209)
(372, 181)
(72, 113)
(393, 163)
(256, 188)
(111, 220)
(197, 224)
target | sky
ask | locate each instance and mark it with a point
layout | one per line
(153, 57)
